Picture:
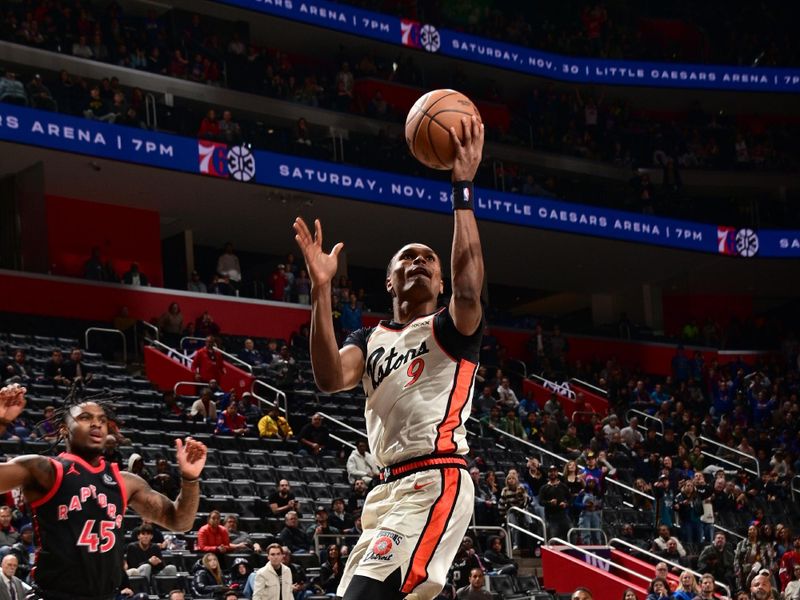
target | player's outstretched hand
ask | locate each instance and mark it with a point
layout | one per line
(468, 152)
(321, 267)
(12, 402)
(191, 456)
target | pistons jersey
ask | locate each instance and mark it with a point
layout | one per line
(79, 530)
(419, 380)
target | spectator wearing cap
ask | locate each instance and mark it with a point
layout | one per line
(570, 444)
(239, 574)
(339, 517)
(25, 551)
(196, 284)
(592, 469)
(321, 525)
(143, 557)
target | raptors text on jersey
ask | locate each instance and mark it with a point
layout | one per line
(79, 530)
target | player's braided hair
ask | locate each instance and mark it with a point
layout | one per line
(75, 397)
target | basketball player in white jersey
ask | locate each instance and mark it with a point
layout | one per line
(418, 372)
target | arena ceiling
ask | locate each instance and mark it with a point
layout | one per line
(259, 219)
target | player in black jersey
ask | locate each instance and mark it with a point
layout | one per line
(78, 501)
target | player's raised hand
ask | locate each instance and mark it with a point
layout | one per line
(470, 151)
(12, 402)
(321, 266)
(191, 456)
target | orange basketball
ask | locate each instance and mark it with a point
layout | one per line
(428, 126)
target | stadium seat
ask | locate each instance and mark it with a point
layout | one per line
(163, 584)
(138, 584)
(505, 586)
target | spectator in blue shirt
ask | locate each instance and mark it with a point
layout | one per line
(351, 315)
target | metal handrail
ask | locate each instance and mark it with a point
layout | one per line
(642, 426)
(278, 395)
(584, 412)
(571, 529)
(524, 367)
(599, 558)
(736, 466)
(187, 383)
(336, 536)
(342, 424)
(542, 537)
(566, 460)
(108, 330)
(729, 532)
(172, 353)
(343, 442)
(590, 386)
(658, 558)
(190, 337)
(153, 327)
(561, 389)
(726, 448)
(235, 359)
(151, 114)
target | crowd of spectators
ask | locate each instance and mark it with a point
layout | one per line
(746, 34)
(752, 409)
(201, 49)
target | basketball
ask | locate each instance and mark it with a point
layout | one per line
(428, 126)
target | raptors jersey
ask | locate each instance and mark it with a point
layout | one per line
(419, 380)
(79, 530)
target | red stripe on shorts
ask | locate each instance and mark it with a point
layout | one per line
(458, 399)
(434, 529)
